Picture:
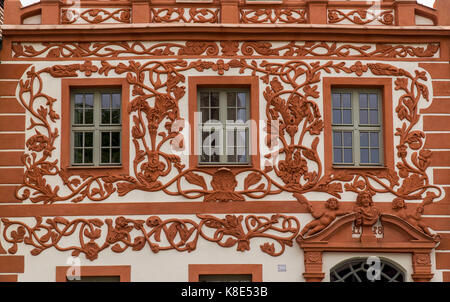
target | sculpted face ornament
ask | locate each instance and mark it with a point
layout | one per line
(366, 212)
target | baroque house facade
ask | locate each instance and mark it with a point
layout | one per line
(249, 140)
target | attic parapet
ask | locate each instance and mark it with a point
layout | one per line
(333, 12)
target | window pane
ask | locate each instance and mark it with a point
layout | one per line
(241, 102)
(88, 158)
(337, 139)
(364, 155)
(242, 115)
(374, 117)
(336, 100)
(204, 99)
(337, 155)
(375, 156)
(115, 116)
(363, 117)
(106, 101)
(115, 140)
(115, 155)
(231, 158)
(214, 99)
(105, 155)
(348, 155)
(348, 139)
(78, 139)
(363, 100)
(215, 114)
(364, 139)
(242, 158)
(241, 138)
(89, 116)
(106, 116)
(374, 139)
(373, 101)
(89, 101)
(231, 151)
(78, 116)
(205, 114)
(231, 114)
(337, 116)
(116, 100)
(105, 139)
(346, 100)
(88, 139)
(231, 99)
(78, 101)
(215, 157)
(347, 117)
(204, 158)
(78, 156)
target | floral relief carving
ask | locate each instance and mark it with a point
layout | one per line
(361, 16)
(96, 235)
(95, 15)
(277, 15)
(185, 15)
(54, 50)
(294, 123)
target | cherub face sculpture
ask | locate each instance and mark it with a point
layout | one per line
(364, 199)
(332, 204)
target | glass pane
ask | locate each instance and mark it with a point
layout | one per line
(231, 158)
(205, 135)
(348, 139)
(115, 116)
(204, 99)
(241, 138)
(346, 100)
(374, 117)
(78, 116)
(347, 117)
(374, 139)
(214, 99)
(364, 139)
(88, 158)
(105, 139)
(337, 155)
(88, 139)
(242, 158)
(363, 117)
(89, 116)
(336, 100)
(337, 116)
(363, 100)
(106, 116)
(231, 99)
(106, 101)
(116, 100)
(364, 155)
(215, 114)
(337, 139)
(89, 100)
(115, 140)
(241, 151)
(115, 155)
(231, 114)
(204, 158)
(373, 101)
(348, 156)
(375, 156)
(205, 114)
(231, 152)
(105, 155)
(230, 138)
(78, 139)
(242, 115)
(241, 100)
(78, 101)
(215, 157)
(78, 156)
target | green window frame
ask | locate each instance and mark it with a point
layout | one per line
(224, 130)
(96, 127)
(357, 129)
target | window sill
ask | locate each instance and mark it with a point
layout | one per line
(359, 168)
(93, 167)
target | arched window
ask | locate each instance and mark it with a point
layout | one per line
(367, 270)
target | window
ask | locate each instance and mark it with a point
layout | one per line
(357, 127)
(224, 128)
(356, 270)
(95, 279)
(96, 127)
(225, 273)
(225, 278)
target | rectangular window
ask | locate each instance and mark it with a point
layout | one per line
(96, 127)
(224, 130)
(357, 129)
(225, 278)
